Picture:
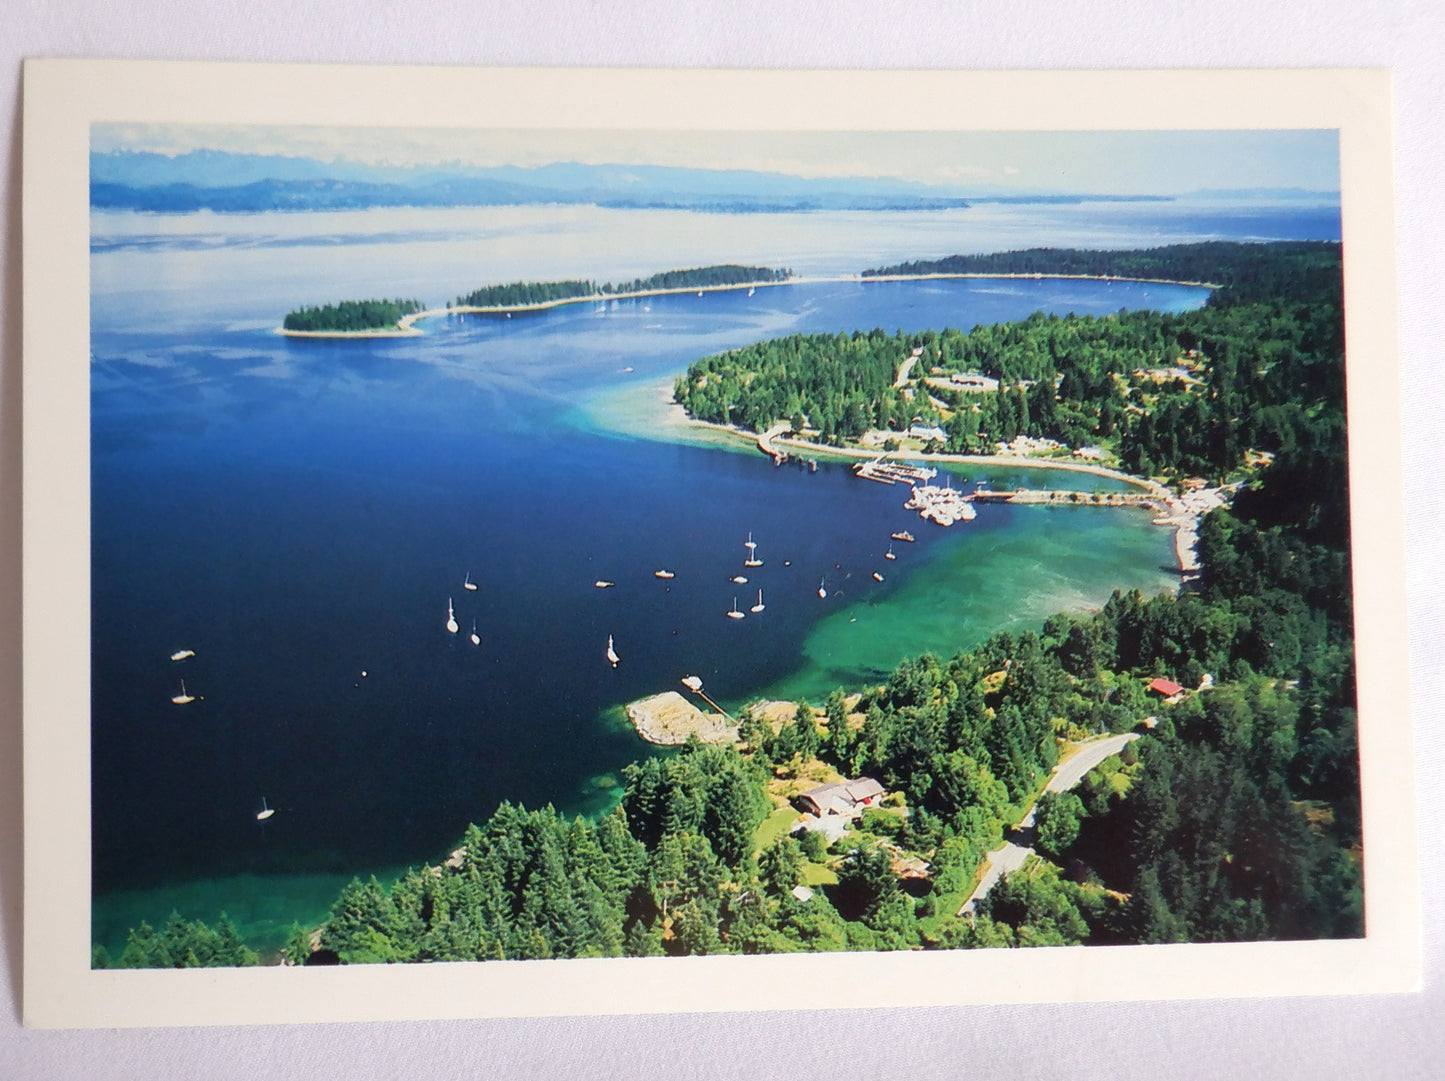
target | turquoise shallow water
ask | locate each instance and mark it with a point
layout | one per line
(988, 576)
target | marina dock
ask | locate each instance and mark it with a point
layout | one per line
(888, 472)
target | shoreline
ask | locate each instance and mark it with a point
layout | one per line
(1176, 513)
(406, 326)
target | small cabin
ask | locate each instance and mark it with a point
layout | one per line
(1164, 688)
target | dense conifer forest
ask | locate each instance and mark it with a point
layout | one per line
(1258, 368)
(351, 315)
(1234, 817)
(527, 293)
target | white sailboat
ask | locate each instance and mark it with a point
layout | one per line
(823, 589)
(182, 698)
(476, 639)
(759, 606)
(612, 653)
(451, 618)
(265, 812)
(752, 560)
(734, 613)
(750, 544)
(889, 554)
(468, 583)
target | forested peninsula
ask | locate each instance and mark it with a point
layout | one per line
(1257, 369)
(1233, 817)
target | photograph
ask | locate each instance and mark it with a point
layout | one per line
(541, 543)
(622, 544)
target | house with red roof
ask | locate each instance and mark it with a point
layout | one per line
(1165, 688)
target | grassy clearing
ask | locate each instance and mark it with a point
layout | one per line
(775, 826)
(815, 874)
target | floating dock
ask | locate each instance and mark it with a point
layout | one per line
(887, 472)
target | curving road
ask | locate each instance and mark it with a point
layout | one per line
(1010, 856)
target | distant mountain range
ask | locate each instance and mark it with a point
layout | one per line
(214, 180)
(227, 182)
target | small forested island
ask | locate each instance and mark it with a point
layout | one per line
(350, 316)
(530, 294)
(1232, 812)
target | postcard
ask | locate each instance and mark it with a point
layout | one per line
(546, 542)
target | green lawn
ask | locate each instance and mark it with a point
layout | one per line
(815, 874)
(776, 825)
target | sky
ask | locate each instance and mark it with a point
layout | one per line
(1095, 162)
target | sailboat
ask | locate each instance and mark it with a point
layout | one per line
(612, 653)
(759, 606)
(751, 291)
(476, 639)
(451, 618)
(182, 698)
(877, 577)
(823, 589)
(468, 583)
(734, 613)
(265, 812)
(889, 554)
(752, 560)
(750, 544)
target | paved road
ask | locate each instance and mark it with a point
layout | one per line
(1010, 856)
(1069, 773)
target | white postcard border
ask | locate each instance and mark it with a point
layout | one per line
(64, 97)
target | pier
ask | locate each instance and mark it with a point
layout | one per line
(1067, 498)
(949, 505)
(765, 442)
(886, 472)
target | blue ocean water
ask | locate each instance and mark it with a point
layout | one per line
(300, 513)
